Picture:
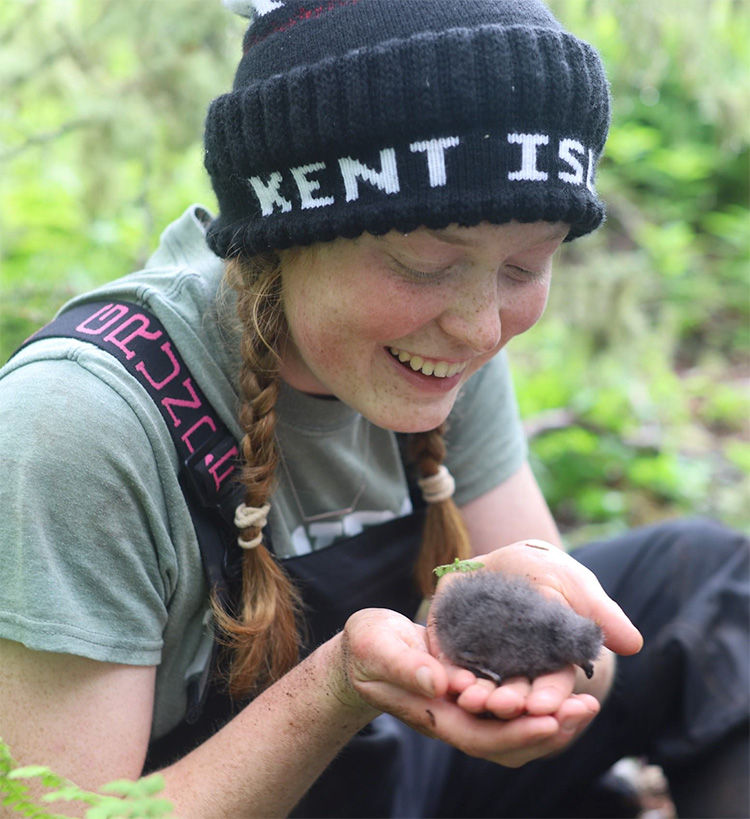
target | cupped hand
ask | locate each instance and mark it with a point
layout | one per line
(544, 696)
(388, 667)
(558, 575)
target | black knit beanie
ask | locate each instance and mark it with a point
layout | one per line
(367, 115)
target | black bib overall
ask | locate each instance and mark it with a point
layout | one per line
(373, 569)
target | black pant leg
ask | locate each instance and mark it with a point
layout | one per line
(686, 585)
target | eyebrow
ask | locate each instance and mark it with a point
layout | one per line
(451, 238)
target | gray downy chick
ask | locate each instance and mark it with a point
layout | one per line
(500, 627)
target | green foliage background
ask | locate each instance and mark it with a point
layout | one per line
(635, 384)
(121, 799)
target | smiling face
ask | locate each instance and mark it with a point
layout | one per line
(393, 325)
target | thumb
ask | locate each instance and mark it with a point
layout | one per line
(620, 635)
(559, 574)
(387, 647)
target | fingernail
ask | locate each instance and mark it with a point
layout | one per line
(426, 680)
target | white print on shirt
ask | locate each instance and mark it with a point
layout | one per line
(570, 156)
(323, 533)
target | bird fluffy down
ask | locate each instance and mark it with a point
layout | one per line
(501, 627)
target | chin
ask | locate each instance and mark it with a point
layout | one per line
(415, 427)
(415, 421)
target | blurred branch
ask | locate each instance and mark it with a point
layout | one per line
(549, 421)
(23, 19)
(627, 212)
(69, 46)
(47, 60)
(646, 438)
(42, 139)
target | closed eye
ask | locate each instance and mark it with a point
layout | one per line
(421, 276)
(521, 274)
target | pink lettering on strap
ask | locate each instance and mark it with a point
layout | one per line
(213, 468)
(141, 367)
(139, 331)
(195, 403)
(186, 436)
(115, 311)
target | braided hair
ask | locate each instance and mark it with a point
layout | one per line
(263, 634)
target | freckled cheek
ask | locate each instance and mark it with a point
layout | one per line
(322, 339)
(524, 314)
(388, 326)
(347, 324)
(331, 338)
(397, 315)
(379, 318)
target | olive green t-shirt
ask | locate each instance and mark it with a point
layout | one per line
(98, 556)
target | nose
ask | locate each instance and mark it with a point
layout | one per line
(473, 316)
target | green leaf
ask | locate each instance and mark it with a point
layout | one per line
(69, 793)
(123, 787)
(150, 785)
(458, 566)
(151, 808)
(29, 771)
(103, 811)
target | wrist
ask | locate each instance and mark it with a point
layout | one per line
(335, 658)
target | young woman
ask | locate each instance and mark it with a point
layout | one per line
(393, 182)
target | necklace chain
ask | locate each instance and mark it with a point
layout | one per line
(336, 513)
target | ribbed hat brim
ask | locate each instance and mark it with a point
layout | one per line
(480, 84)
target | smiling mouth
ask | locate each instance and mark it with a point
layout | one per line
(437, 369)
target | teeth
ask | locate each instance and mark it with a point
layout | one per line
(438, 369)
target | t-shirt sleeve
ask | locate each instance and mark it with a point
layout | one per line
(80, 568)
(485, 439)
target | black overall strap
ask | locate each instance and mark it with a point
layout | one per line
(206, 449)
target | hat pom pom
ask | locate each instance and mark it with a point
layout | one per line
(252, 8)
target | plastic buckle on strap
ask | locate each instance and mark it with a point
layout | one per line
(197, 475)
(208, 472)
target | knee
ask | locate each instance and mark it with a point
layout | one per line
(682, 558)
(699, 541)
